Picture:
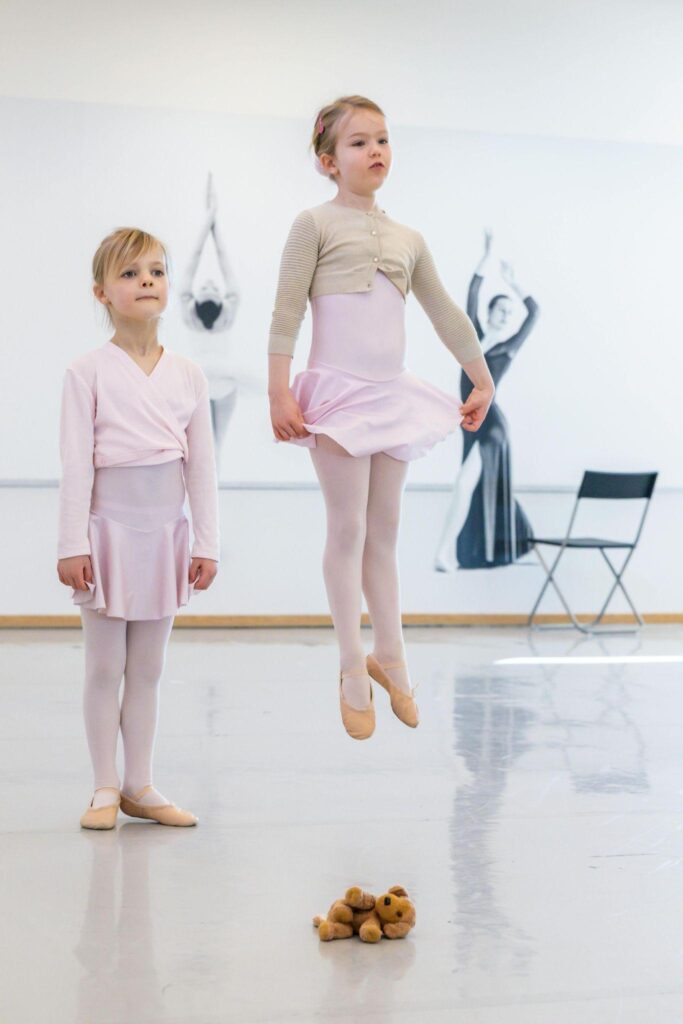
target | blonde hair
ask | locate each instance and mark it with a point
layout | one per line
(326, 128)
(119, 248)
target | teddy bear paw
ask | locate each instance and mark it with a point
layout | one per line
(370, 933)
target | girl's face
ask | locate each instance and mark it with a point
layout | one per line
(137, 290)
(362, 155)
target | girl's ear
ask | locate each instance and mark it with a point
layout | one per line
(327, 163)
(98, 292)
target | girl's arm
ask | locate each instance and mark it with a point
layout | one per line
(202, 491)
(297, 267)
(477, 405)
(458, 335)
(76, 445)
(285, 414)
(451, 323)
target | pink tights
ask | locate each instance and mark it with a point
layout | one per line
(134, 651)
(363, 502)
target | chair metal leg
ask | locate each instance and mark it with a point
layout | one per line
(551, 581)
(593, 627)
(618, 584)
(545, 586)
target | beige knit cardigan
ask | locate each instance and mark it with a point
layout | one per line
(335, 249)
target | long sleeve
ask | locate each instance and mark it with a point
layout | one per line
(297, 267)
(450, 322)
(76, 446)
(200, 479)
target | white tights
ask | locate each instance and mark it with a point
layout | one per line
(363, 502)
(134, 651)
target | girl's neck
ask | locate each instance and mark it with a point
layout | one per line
(140, 338)
(359, 202)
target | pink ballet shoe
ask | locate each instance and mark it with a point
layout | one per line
(402, 704)
(359, 723)
(101, 818)
(165, 814)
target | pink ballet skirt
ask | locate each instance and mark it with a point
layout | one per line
(139, 543)
(356, 389)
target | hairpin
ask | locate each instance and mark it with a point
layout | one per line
(320, 126)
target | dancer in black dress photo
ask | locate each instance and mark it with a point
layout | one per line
(485, 526)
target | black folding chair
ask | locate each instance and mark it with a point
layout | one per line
(608, 486)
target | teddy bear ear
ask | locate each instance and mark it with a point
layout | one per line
(398, 890)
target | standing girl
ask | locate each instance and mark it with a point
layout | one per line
(135, 437)
(363, 415)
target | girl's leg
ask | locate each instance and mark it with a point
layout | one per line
(105, 662)
(380, 567)
(344, 481)
(146, 652)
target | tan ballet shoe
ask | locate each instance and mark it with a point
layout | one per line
(359, 724)
(402, 704)
(165, 814)
(101, 817)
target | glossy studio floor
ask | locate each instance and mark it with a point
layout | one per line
(535, 817)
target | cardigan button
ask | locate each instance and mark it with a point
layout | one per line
(376, 259)
(373, 232)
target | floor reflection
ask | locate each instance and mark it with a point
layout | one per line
(588, 707)
(602, 747)
(491, 731)
(367, 976)
(568, 721)
(117, 941)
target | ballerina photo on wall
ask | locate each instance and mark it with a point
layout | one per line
(209, 309)
(485, 525)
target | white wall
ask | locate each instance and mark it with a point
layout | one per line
(607, 70)
(586, 225)
(545, 68)
(272, 547)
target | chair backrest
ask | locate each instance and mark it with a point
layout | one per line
(617, 485)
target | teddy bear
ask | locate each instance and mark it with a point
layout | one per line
(370, 917)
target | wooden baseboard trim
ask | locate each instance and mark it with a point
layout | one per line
(316, 621)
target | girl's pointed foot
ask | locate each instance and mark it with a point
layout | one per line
(402, 703)
(358, 722)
